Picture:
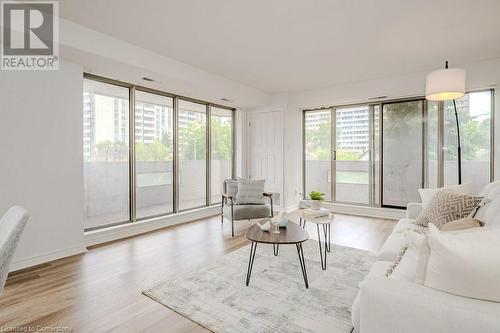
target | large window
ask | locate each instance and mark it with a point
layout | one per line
(474, 114)
(106, 153)
(380, 154)
(221, 143)
(166, 170)
(153, 154)
(192, 124)
(318, 152)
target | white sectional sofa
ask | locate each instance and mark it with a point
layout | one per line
(388, 305)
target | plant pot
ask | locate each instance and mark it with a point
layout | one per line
(315, 204)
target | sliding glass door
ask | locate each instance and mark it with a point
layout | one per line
(353, 158)
(105, 153)
(153, 154)
(402, 142)
(381, 154)
(318, 152)
(221, 150)
(192, 127)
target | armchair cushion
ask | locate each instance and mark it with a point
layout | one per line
(245, 212)
(250, 192)
(231, 187)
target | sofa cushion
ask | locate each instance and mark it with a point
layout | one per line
(465, 223)
(447, 206)
(245, 212)
(491, 193)
(465, 262)
(391, 247)
(426, 194)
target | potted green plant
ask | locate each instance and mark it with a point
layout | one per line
(316, 197)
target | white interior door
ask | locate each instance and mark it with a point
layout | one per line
(265, 149)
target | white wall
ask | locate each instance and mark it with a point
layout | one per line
(41, 159)
(105, 55)
(479, 75)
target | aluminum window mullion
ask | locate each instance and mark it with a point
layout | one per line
(132, 165)
(333, 157)
(233, 143)
(175, 156)
(208, 155)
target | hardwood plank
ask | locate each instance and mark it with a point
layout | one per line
(100, 290)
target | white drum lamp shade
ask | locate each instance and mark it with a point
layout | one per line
(445, 84)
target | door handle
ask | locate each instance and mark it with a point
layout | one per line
(334, 155)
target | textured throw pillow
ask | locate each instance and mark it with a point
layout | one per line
(426, 194)
(465, 223)
(447, 206)
(250, 192)
(465, 262)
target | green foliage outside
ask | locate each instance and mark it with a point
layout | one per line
(192, 145)
(318, 145)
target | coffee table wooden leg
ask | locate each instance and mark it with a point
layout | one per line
(253, 249)
(276, 249)
(302, 261)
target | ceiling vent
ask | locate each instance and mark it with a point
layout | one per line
(226, 100)
(145, 78)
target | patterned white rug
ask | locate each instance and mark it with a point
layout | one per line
(276, 299)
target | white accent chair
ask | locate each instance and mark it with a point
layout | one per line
(11, 227)
(234, 212)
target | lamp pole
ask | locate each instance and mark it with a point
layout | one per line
(459, 148)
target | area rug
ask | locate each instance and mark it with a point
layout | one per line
(276, 300)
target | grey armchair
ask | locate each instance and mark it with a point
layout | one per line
(11, 227)
(235, 212)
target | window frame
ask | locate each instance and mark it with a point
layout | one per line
(132, 88)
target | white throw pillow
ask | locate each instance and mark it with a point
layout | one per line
(406, 269)
(250, 192)
(426, 194)
(465, 262)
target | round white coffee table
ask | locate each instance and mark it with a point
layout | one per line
(325, 222)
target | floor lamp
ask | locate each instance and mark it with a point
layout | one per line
(443, 85)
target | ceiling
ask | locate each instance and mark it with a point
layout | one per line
(292, 45)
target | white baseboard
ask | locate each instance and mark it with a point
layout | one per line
(376, 212)
(131, 229)
(46, 257)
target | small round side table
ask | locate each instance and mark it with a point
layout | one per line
(326, 223)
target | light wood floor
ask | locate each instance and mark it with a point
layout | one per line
(100, 290)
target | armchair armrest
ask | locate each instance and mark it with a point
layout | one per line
(413, 210)
(270, 196)
(390, 306)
